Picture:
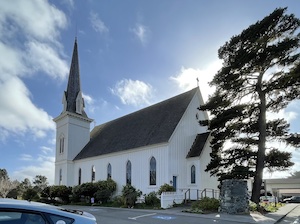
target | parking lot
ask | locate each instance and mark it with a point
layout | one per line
(140, 216)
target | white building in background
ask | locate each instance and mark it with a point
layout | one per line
(162, 143)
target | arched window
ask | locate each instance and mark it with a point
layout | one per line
(60, 177)
(79, 176)
(152, 171)
(108, 171)
(128, 172)
(93, 173)
(193, 174)
(61, 144)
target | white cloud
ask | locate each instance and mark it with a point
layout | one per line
(29, 32)
(43, 57)
(44, 165)
(89, 103)
(17, 113)
(36, 18)
(10, 62)
(141, 32)
(26, 157)
(187, 78)
(133, 92)
(46, 150)
(97, 24)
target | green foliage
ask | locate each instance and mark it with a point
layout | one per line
(3, 174)
(103, 195)
(118, 201)
(165, 188)
(152, 199)
(130, 195)
(271, 207)
(206, 205)
(252, 206)
(88, 189)
(40, 183)
(45, 194)
(31, 195)
(260, 74)
(60, 191)
(101, 191)
(294, 175)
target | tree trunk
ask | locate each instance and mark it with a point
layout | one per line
(261, 153)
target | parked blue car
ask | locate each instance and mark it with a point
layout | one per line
(14, 211)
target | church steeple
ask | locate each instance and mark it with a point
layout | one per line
(73, 101)
(72, 126)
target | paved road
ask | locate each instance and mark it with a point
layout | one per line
(292, 218)
(134, 216)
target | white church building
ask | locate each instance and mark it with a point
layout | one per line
(159, 144)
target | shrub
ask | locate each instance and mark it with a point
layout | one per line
(118, 201)
(130, 195)
(103, 195)
(31, 195)
(206, 204)
(165, 188)
(105, 190)
(252, 206)
(62, 192)
(151, 199)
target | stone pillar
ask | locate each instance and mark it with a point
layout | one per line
(234, 197)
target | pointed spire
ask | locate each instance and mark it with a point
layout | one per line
(73, 94)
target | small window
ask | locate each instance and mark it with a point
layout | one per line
(93, 173)
(152, 171)
(61, 144)
(128, 172)
(193, 174)
(79, 176)
(108, 171)
(60, 177)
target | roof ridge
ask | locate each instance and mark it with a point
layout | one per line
(153, 105)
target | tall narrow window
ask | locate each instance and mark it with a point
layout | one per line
(128, 172)
(152, 171)
(61, 144)
(193, 174)
(60, 177)
(108, 171)
(79, 176)
(93, 173)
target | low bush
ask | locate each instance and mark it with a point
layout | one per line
(165, 188)
(152, 199)
(130, 195)
(206, 205)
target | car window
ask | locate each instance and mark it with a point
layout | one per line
(6, 216)
(60, 220)
(13, 217)
(33, 218)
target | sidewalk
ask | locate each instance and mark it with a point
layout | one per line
(269, 218)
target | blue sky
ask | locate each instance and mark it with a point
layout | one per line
(132, 54)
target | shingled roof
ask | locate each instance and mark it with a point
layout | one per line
(74, 88)
(198, 145)
(151, 125)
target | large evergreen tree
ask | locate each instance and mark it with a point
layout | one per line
(260, 74)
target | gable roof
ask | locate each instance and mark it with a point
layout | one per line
(198, 145)
(151, 125)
